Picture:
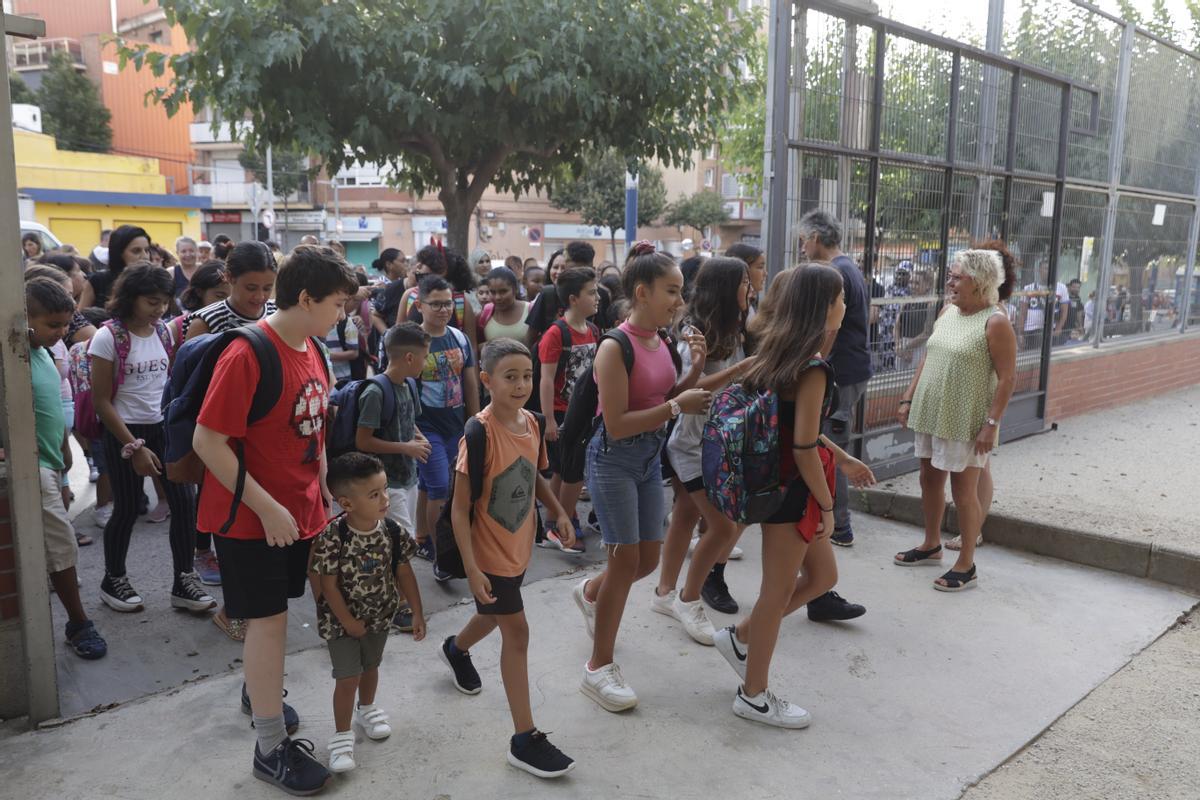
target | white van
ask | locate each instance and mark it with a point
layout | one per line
(49, 240)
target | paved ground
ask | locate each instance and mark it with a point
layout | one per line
(924, 696)
(1125, 472)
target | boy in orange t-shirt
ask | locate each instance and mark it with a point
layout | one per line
(496, 542)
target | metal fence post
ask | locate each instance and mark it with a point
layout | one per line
(1190, 271)
(20, 440)
(776, 146)
(1116, 154)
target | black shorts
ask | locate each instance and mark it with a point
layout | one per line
(795, 504)
(257, 579)
(507, 592)
(552, 448)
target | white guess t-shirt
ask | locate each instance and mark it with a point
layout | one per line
(139, 395)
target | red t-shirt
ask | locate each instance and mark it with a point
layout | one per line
(283, 450)
(583, 352)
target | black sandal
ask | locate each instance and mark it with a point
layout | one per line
(919, 558)
(956, 581)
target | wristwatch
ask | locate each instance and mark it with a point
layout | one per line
(675, 408)
(992, 422)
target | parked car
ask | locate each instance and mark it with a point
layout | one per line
(49, 240)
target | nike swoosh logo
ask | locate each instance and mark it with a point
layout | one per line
(763, 709)
(733, 641)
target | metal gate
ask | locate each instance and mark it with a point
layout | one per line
(921, 145)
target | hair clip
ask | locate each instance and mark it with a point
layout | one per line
(644, 247)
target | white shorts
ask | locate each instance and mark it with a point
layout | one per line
(61, 549)
(402, 508)
(948, 455)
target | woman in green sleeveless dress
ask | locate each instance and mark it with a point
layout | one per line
(954, 405)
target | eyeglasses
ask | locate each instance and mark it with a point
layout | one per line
(952, 278)
(441, 306)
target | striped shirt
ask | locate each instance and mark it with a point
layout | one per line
(221, 317)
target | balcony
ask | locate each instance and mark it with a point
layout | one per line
(742, 210)
(242, 195)
(201, 133)
(36, 55)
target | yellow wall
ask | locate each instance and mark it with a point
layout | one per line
(80, 225)
(41, 165)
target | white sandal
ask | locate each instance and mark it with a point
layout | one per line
(956, 543)
(374, 721)
(341, 752)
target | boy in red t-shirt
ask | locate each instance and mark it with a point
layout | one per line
(577, 294)
(264, 554)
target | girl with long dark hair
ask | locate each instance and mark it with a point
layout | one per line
(128, 244)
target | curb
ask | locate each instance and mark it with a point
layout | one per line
(1141, 559)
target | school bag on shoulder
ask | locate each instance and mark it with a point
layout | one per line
(396, 534)
(564, 358)
(342, 433)
(580, 422)
(184, 396)
(739, 451)
(86, 423)
(447, 557)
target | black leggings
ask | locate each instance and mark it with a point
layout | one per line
(126, 486)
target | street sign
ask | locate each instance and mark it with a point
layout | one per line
(535, 235)
(268, 219)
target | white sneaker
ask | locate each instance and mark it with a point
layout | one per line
(770, 710)
(374, 721)
(586, 607)
(341, 752)
(662, 602)
(734, 651)
(102, 515)
(736, 553)
(694, 620)
(608, 688)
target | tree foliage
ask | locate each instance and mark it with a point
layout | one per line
(71, 108)
(19, 92)
(701, 210)
(289, 172)
(457, 95)
(745, 130)
(597, 192)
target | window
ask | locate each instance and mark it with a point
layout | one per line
(730, 189)
(710, 178)
(156, 37)
(357, 174)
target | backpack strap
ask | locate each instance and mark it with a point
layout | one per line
(564, 356)
(341, 333)
(626, 344)
(476, 436)
(485, 316)
(389, 408)
(122, 344)
(396, 535)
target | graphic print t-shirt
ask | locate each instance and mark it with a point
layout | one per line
(441, 383)
(139, 395)
(401, 470)
(583, 352)
(282, 449)
(503, 532)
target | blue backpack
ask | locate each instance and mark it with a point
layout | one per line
(191, 375)
(739, 454)
(341, 436)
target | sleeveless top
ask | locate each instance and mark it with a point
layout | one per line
(517, 330)
(652, 377)
(958, 381)
(221, 316)
(787, 418)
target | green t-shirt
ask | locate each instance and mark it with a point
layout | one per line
(401, 470)
(47, 408)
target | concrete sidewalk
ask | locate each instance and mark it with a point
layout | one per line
(921, 698)
(1115, 489)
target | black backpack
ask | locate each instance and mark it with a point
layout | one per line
(581, 421)
(447, 555)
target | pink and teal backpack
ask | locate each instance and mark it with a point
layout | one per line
(739, 454)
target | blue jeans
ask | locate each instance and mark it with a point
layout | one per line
(624, 477)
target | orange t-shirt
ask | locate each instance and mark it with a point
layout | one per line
(503, 533)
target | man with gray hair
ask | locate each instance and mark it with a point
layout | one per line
(185, 250)
(821, 240)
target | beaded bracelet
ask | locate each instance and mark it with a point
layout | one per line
(128, 450)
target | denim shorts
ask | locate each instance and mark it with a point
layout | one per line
(433, 477)
(624, 477)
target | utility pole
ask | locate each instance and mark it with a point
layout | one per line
(270, 190)
(631, 212)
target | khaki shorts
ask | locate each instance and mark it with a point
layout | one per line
(402, 508)
(61, 550)
(352, 657)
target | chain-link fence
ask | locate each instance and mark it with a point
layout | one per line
(1070, 135)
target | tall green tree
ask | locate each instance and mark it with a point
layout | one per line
(597, 192)
(71, 108)
(699, 211)
(459, 95)
(19, 91)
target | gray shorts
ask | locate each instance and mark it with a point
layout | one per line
(352, 657)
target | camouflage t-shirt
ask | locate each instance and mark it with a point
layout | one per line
(363, 565)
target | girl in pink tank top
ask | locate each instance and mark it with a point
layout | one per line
(623, 469)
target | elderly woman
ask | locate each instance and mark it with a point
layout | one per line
(954, 405)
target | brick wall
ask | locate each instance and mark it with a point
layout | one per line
(1120, 373)
(8, 560)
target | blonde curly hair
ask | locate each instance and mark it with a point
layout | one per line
(985, 269)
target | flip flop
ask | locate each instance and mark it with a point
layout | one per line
(83, 540)
(233, 628)
(919, 558)
(957, 581)
(956, 543)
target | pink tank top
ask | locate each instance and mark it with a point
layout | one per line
(653, 374)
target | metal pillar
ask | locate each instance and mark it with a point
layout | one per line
(20, 440)
(1190, 271)
(776, 146)
(849, 112)
(948, 177)
(988, 115)
(870, 243)
(1116, 154)
(631, 209)
(1050, 317)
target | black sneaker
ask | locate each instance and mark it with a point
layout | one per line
(119, 595)
(715, 592)
(538, 757)
(188, 594)
(291, 767)
(832, 607)
(403, 621)
(425, 550)
(291, 720)
(843, 538)
(440, 575)
(466, 679)
(593, 523)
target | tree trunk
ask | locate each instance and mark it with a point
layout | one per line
(612, 235)
(458, 210)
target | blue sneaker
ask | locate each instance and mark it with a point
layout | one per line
(578, 529)
(425, 550)
(291, 767)
(440, 575)
(843, 538)
(291, 720)
(207, 568)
